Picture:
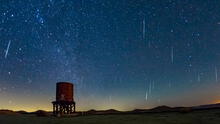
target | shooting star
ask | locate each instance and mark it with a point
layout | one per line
(216, 74)
(110, 99)
(146, 96)
(169, 85)
(6, 52)
(144, 28)
(153, 85)
(159, 101)
(198, 78)
(171, 54)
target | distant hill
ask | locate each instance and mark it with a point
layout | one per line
(7, 112)
(109, 111)
(21, 112)
(208, 106)
(41, 113)
(113, 111)
(161, 109)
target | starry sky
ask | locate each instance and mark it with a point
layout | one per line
(120, 54)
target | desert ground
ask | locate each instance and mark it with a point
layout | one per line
(195, 117)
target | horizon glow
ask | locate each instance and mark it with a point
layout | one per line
(119, 54)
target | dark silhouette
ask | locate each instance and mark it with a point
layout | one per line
(64, 103)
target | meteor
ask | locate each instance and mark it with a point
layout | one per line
(6, 52)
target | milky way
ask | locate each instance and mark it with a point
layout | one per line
(118, 53)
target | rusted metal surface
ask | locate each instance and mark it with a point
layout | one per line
(64, 103)
(64, 91)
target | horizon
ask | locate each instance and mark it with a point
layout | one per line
(50, 110)
(119, 54)
(113, 108)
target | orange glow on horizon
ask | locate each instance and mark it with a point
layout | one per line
(216, 101)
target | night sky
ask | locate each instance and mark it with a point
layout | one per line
(120, 54)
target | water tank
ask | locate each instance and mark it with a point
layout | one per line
(64, 92)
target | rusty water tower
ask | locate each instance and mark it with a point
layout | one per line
(64, 103)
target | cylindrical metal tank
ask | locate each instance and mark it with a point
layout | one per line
(64, 92)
